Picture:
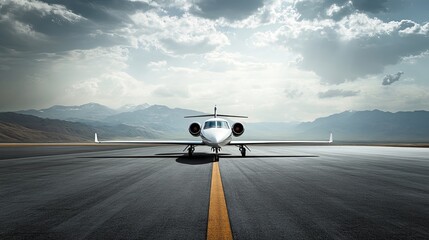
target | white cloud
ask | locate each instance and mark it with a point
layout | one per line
(177, 35)
(98, 60)
(168, 91)
(415, 58)
(81, 76)
(20, 28)
(87, 88)
(156, 66)
(234, 61)
(263, 39)
(360, 25)
(332, 93)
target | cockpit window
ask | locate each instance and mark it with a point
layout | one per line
(216, 124)
(222, 124)
(210, 124)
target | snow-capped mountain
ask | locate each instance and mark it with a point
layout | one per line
(89, 111)
(132, 107)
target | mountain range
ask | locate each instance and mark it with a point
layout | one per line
(89, 111)
(15, 127)
(78, 123)
(375, 125)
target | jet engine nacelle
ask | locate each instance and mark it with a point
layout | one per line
(237, 129)
(195, 129)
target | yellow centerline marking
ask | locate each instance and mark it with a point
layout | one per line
(218, 223)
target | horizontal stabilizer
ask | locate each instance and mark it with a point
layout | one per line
(196, 116)
(217, 115)
(235, 116)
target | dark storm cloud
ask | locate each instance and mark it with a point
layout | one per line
(391, 78)
(34, 35)
(337, 93)
(229, 9)
(311, 9)
(50, 26)
(336, 60)
(103, 12)
(372, 6)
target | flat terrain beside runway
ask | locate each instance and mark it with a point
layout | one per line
(295, 192)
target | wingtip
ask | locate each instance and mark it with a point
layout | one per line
(331, 139)
(96, 138)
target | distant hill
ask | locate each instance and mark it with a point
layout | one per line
(16, 127)
(10, 132)
(270, 130)
(89, 111)
(370, 126)
(157, 117)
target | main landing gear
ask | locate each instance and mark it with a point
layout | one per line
(242, 149)
(191, 149)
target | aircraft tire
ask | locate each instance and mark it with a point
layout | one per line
(243, 152)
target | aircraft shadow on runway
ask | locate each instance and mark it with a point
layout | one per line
(197, 158)
(201, 158)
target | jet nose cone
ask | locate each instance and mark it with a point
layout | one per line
(218, 139)
(215, 139)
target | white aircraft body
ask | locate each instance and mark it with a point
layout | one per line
(216, 133)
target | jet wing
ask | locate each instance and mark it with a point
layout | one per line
(281, 142)
(175, 142)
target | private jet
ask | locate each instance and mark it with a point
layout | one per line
(217, 132)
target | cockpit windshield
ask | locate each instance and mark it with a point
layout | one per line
(222, 124)
(210, 124)
(216, 124)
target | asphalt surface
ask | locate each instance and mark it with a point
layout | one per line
(300, 192)
(15, 151)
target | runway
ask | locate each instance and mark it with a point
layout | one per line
(298, 192)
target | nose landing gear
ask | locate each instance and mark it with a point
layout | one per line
(216, 150)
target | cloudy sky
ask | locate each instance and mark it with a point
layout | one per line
(272, 60)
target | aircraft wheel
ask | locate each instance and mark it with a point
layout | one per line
(190, 151)
(243, 152)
